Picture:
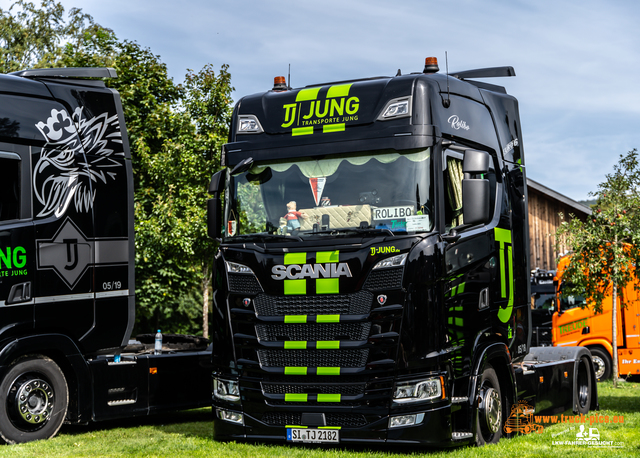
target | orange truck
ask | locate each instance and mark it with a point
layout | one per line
(572, 325)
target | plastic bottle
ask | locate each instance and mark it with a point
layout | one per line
(158, 347)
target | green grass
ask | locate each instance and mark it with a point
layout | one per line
(190, 434)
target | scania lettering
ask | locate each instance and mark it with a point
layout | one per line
(67, 302)
(371, 284)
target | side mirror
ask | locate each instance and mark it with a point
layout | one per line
(214, 206)
(214, 218)
(475, 191)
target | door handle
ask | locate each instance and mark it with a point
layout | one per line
(20, 292)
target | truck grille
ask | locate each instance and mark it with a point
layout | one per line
(313, 358)
(384, 279)
(243, 283)
(343, 304)
(313, 332)
(345, 420)
(346, 389)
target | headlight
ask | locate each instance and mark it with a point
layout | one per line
(393, 261)
(249, 124)
(230, 416)
(405, 420)
(419, 390)
(236, 268)
(396, 108)
(227, 390)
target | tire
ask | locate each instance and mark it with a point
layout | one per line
(602, 363)
(583, 386)
(34, 397)
(490, 414)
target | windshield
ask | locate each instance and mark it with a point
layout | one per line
(384, 191)
(569, 302)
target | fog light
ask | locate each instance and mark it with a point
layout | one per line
(230, 416)
(228, 390)
(419, 390)
(405, 420)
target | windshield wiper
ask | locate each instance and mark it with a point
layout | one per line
(353, 231)
(266, 235)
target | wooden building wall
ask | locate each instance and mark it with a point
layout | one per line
(544, 219)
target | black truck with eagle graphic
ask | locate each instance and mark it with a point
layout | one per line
(67, 301)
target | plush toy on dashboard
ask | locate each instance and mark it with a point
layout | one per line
(293, 216)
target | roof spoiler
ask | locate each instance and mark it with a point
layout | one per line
(73, 72)
(491, 72)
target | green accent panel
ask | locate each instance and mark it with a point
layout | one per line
(307, 94)
(329, 397)
(298, 426)
(328, 344)
(327, 285)
(295, 287)
(328, 319)
(329, 427)
(502, 235)
(341, 90)
(295, 318)
(461, 288)
(295, 397)
(327, 256)
(328, 371)
(505, 314)
(295, 371)
(295, 345)
(295, 258)
(301, 131)
(328, 128)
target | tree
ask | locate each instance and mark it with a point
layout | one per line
(175, 133)
(606, 247)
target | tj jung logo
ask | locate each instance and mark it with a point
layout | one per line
(457, 123)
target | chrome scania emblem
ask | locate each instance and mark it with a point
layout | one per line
(382, 299)
(246, 302)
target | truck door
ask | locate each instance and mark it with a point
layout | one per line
(17, 254)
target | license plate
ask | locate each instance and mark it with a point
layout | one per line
(313, 435)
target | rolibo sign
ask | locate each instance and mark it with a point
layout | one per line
(331, 113)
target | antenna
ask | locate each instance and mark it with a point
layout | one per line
(289, 81)
(447, 103)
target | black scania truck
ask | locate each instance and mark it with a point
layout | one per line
(372, 282)
(67, 264)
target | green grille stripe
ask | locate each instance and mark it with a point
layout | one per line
(326, 397)
(327, 286)
(341, 90)
(327, 256)
(307, 94)
(301, 131)
(295, 397)
(295, 287)
(328, 128)
(329, 427)
(295, 345)
(461, 288)
(295, 371)
(328, 319)
(300, 427)
(295, 258)
(327, 344)
(295, 318)
(328, 371)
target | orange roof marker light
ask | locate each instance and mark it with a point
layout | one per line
(279, 83)
(431, 65)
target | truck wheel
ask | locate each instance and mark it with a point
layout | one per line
(602, 363)
(490, 412)
(583, 386)
(34, 396)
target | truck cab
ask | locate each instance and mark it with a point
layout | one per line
(372, 278)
